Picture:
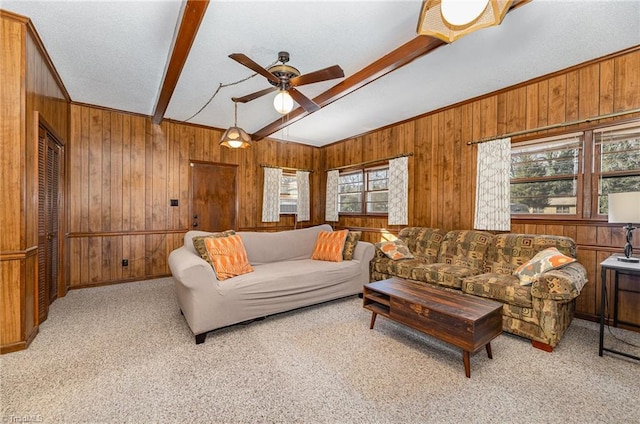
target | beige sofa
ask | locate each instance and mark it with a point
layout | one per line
(284, 277)
(482, 264)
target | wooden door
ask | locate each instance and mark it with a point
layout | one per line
(214, 201)
(49, 193)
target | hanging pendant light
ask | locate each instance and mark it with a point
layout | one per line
(449, 20)
(235, 137)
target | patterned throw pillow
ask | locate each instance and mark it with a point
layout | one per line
(228, 255)
(329, 246)
(353, 237)
(395, 249)
(544, 261)
(198, 243)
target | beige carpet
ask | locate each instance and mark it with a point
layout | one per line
(123, 354)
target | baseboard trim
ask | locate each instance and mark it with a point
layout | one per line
(112, 282)
(21, 345)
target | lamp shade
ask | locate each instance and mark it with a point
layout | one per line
(235, 138)
(624, 208)
(449, 20)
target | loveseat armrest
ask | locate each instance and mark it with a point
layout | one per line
(189, 269)
(560, 284)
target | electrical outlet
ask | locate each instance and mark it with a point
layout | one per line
(174, 202)
(125, 262)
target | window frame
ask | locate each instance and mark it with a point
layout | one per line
(578, 176)
(587, 208)
(365, 171)
(596, 166)
(286, 196)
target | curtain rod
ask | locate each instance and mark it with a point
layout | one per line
(371, 161)
(285, 168)
(550, 127)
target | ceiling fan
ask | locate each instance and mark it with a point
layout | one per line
(285, 79)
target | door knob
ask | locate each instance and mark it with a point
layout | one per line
(195, 224)
(195, 216)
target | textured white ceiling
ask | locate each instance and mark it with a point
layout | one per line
(114, 53)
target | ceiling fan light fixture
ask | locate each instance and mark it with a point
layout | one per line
(283, 103)
(235, 137)
(449, 20)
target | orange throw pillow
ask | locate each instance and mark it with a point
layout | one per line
(329, 246)
(228, 256)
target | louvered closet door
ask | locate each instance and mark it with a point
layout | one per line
(48, 221)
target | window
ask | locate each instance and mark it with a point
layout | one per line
(288, 194)
(545, 176)
(617, 163)
(365, 191)
(548, 177)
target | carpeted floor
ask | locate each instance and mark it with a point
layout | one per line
(124, 354)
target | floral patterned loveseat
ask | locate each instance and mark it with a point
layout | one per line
(482, 264)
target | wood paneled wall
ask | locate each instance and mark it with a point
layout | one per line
(123, 172)
(29, 90)
(442, 170)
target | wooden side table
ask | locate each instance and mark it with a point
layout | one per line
(618, 267)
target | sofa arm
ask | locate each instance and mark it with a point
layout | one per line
(560, 284)
(364, 252)
(189, 269)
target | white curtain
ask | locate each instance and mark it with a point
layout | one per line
(493, 194)
(331, 208)
(398, 191)
(302, 179)
(271, 195)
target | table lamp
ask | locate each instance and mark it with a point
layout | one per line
(625, 208)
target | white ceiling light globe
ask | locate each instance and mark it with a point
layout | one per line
(462, 12)
(283, 102)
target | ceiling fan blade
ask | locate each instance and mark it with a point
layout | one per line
(320, 75)
(308, 104)
(244, 60)
(252, 96)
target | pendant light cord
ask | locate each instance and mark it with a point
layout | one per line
(221, 85)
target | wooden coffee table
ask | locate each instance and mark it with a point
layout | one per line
(465, 321)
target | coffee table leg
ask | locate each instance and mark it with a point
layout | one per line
(373, 320)
(488, 347)
(467, 363)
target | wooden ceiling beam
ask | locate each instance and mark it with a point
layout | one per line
(399, 57)
(191, 18)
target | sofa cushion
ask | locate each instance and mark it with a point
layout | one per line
(329, 246)
(353, 237)
(402, 269)
(543, 261)
(267, 247)
(228, 256)
(445, 275)
(508, 251)
(500, 287)
(466, 248)
(423, 242)
(395, 249)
